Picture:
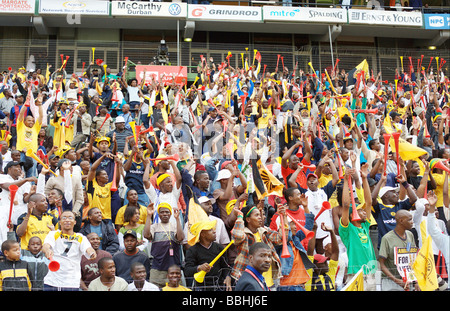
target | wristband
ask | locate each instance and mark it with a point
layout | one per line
(405, 184)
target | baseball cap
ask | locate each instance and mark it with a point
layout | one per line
(386, 189)
(311, 175)
(61, 162)
(223, 174)
(224, 164)
(320, 258)
(394, 114)
(130, 232)
(11, 163)
(204, 199)
(119, 119)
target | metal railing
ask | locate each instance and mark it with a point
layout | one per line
(384, 59)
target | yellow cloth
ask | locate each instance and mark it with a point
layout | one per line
(100, 197)
(142, 215)
(36, 227)
(332, 271)
(27, 137)
(180, 288)
(62, 133)
(424, 267)
(439, 179)
(263, 121)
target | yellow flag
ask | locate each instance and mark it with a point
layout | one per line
(387, 124)
(356, 284)
(98, 88)
(195, 214)
(406, 150)
(133, 129)
(425, 269)
(364, 66)
(272, 184)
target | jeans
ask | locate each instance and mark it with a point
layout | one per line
(49, 288)
(292, 288)
(32, 171)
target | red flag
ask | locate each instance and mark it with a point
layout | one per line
(258, 56)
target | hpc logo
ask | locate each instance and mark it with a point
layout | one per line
(436, 21)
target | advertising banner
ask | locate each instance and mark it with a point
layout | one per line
(304, 14)
(85, 7)
(378, 17)
(437, 21)
(155, 9)
(225, 13)
(17, 6)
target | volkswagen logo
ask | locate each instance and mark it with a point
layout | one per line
(174, 9)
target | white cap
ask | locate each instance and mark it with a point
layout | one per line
(204, 199)
(386, 189)
(120, 119)
(223, 174)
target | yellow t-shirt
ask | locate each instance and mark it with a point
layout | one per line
(100, 197)
(263, 121)
(439, 178)
(332, 271)
(27, 136)
(142, 215)
(180, 288)
(36, 227)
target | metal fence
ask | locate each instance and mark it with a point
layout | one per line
(384, 59)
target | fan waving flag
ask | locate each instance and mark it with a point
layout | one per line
(265, 182)
(257, 180)
(195, 214)
(272, 184)
(406, 150)
(356, 284)
(352, 74)
(258, 56)
(424, 267)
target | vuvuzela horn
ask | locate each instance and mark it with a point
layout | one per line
(285, 251)
(12, 190)
(175, 157)
(396, 136)
(308, 234)
(31, 154)
(200, 276)
(325, 206)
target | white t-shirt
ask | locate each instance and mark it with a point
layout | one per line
(222, 236)
(148, 287)
(158, 197)
(133, 93)
(6, 158)
(68, 251)
(20, 207)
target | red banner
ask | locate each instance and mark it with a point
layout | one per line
(164, 74)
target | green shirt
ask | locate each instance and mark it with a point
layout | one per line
(359, 248)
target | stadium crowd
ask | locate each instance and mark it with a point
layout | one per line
(242, 180)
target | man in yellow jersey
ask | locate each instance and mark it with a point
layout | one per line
(27, 132)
